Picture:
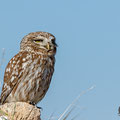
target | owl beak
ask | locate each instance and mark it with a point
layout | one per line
(48, 46)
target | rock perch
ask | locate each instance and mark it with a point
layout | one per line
(19, 111)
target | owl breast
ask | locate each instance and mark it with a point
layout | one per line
(33, 78)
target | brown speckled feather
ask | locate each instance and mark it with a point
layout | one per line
(28, 74)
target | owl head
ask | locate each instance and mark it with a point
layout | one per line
(40, 42)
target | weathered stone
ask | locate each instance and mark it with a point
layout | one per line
(19, 111)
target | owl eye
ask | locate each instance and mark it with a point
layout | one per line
(38, 40)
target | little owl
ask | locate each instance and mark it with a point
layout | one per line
(28, 74)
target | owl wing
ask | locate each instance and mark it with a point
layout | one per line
(13, 74)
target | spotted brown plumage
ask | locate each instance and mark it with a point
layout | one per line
(28, 74)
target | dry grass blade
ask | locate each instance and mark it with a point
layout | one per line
(75, 116)
(51, 116)
(2, 58)
(68, 114)
(2, 61)
(75, 100)
(3, 113)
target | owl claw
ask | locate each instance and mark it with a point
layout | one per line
(39, 108)
(34, 104)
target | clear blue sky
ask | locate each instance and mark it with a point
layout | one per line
(88, 35)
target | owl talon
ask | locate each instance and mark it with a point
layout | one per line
(39, 108)
(32, 103)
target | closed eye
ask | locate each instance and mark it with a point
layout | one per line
(38, 40)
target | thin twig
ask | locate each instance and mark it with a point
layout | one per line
(75, 100)
(14, 112)
(68, 113)
(51, 116)
(2, 58)
(75, 116)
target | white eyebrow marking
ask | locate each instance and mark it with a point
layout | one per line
(51, 37)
